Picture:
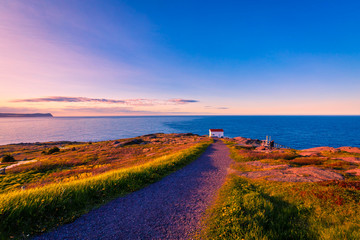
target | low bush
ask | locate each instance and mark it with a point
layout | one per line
(338, 165)
(7, 158)
(307, 161)
(53, 150)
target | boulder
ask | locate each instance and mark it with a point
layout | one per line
(349, 149)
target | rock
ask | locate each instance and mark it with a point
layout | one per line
(349, 149)
(321, 149)
(303, 174)
(349, 159)
(314, 152)
(355, 172)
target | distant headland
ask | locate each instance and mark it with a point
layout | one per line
(25, 115)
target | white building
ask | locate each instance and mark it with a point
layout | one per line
(216, 133)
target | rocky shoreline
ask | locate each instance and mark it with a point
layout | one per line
(307, 165)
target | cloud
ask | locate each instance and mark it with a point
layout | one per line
(132, 102)
(211, 107)
(182, 101)
(69, 99)
(117, 111)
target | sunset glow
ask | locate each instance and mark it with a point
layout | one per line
(90, 58)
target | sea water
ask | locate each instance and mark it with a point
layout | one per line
(298, 132)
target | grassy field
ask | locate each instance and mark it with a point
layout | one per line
(260, 209)
(37, 209)
(81, 160)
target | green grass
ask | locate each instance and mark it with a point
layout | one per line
(250, 209)
(33, 211)
(9, 182)
(81, 160)
(260, 209)
(246, 211)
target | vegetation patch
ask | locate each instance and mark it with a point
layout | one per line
(295, 203)
(257, 209)
(52, 150)
(33, 211)
(81, 160)
(338, 154)
(292, 165)
(301, 161)
(7, 158)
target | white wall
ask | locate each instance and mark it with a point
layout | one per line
(216, 134)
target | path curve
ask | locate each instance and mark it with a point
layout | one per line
(169, 209)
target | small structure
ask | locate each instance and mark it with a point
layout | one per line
(271, 144)
(216, 133)
(266, 143)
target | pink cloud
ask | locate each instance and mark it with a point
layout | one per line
(132, 102)
(69, 99)
(182, 101)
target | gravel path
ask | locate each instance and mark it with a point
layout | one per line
(169, 209)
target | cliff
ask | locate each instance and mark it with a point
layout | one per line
(26, 115)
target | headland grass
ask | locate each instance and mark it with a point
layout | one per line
(33, 211)
(260, 209)
(81, 160)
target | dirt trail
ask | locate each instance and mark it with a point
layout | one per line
(17, 164)
(169, 209)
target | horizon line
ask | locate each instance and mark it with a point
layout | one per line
(228, 115)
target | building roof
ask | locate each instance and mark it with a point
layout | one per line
(216, 130)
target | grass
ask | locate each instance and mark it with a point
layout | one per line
(245, 154)
(326, 160)
(258, 209)
(82, 160)
(33, 211)
(340, 154)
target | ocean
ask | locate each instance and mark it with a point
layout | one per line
(298, 132)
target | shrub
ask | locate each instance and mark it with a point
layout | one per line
(251, 155)
(8, 158)
(53, 150)
(307, 161)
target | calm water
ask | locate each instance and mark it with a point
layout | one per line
(295, 131)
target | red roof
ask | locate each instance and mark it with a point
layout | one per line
(216, 130)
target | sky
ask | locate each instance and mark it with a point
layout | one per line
(160, 57)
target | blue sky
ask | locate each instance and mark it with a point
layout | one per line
(183, 57)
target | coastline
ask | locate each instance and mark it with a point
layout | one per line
(25, 115)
